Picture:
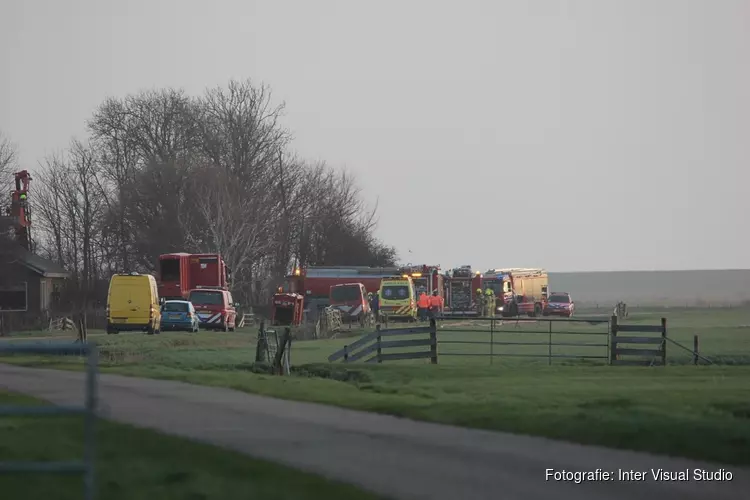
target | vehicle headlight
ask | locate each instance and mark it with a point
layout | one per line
(499, 308)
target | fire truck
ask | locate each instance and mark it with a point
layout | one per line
(426, 278)
(315, 282)
(460, 285)
(518, 290)
(181, 272)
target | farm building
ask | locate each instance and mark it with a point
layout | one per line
(30, 285)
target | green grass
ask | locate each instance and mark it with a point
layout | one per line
(140, 464)
(700, 412)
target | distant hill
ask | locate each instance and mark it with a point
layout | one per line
(668, 288)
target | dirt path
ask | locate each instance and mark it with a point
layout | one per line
(396, 457)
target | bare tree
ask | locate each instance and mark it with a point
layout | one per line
(240, 129)
(8, 161)
(165, 172)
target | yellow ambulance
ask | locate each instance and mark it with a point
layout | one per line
(397, 298)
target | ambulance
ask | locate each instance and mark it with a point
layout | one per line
(398, 298)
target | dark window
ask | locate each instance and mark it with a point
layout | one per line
(169, 270)
(207, 298)
(13, 298)
(495, 286)
(345, 293)
(176, 307)
(395, 292)
(421, 285)
(559, 298)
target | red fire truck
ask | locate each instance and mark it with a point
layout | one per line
(315, 282)
(426, 278)
(518, 290)
(460, 285)
(181, 272)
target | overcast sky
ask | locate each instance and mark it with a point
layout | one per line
(578, 135)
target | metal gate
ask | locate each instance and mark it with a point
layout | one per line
(85, 466)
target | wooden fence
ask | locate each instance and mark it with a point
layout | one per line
(373, 345)
(639, 347)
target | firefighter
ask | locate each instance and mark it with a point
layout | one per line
(423, 304)
(479, 300)
(436, 304)
(375, 305)
(489, 302)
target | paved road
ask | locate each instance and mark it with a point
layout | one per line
(396, 457)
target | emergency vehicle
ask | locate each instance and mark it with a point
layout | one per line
(459, 287)
(179, 273)
(315, 282)
(426, 278)
(398, 298)
(518, 290)
(351, 300)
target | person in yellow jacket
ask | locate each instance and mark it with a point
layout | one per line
(489, 301)
(479, 302)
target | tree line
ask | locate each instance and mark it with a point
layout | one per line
(161, 171)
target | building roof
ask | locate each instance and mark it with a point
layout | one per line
(45, 267)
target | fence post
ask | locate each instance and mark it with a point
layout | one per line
(612, 339)
(695, 349)
(549, 344)
(380, 350)
(433, 343)
(89, 451)
(492, 340)
(664, 341)
(260, 349)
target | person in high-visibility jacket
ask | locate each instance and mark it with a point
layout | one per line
(423, 304)
(490, 302)
(436, 304)
(479, 302)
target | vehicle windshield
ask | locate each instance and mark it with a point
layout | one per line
(559, 298)
(176, 307)
(345, 294)
(206, 298)
(169, 270)
(395, 292)
(495, 285)
(420, 285)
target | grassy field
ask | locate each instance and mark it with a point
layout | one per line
(139, 464)
(701, 412)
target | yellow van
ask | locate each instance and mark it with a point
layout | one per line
(133, 304)
(397, 298)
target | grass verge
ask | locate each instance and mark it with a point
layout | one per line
(138, 464)
(701, 412)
